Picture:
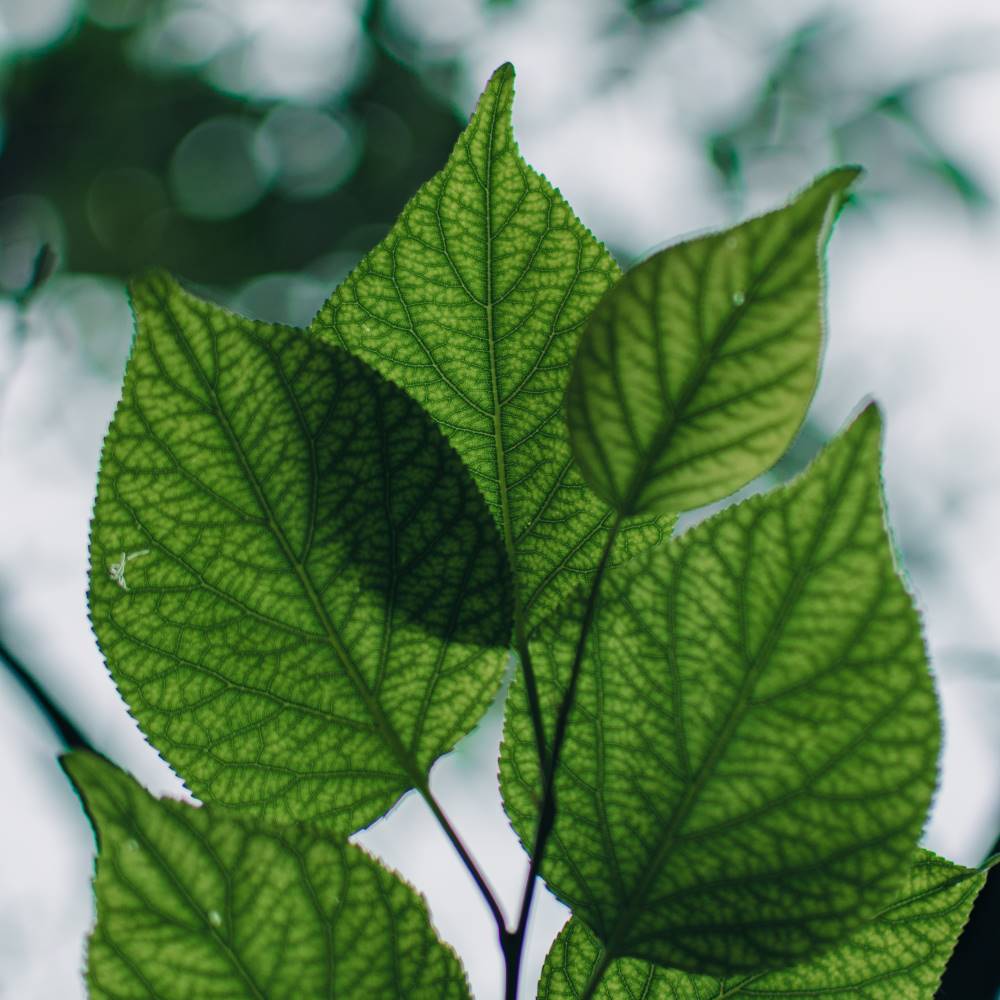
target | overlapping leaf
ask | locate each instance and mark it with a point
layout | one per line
(900, 955)
(474, 304)
(193, 903)
(298, 588)
(695, 371)
(751, 753)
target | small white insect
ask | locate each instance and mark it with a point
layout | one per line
(117, 570)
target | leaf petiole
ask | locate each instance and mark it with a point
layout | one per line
(550, 765)
(482, 884)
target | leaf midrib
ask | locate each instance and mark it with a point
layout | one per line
(385, 727)
(489, 307)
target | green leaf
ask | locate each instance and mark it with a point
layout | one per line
(695, 371)
(900, 955)
(474, 303)
(299, 590)
(195, 903)
(752, 750)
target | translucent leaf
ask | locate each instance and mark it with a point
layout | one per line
(195, 903)
(900, 955)
(474, 303)
(696, 369)
(752, 751)
(299, 590)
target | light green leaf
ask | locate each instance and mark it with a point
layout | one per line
(195, 904)
(900, 955)
(474, 303)
(695, 371)
(298, 588)
(752, 751)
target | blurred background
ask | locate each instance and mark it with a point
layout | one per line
(259, 147)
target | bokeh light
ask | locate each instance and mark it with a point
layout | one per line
(221, 168)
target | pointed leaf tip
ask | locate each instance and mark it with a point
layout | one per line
(871, 413)
(71, 763)
(834, 190)
(841, 177)
(154, 277)
(84, 768)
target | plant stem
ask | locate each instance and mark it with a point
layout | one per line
(549, 766)
(61, 723)
(530, 686)
(485, 889)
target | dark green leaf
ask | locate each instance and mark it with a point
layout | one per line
(900, 955)
(195, 904)
(474, 303)
(298, 589)
(751, 754)
(696, 369)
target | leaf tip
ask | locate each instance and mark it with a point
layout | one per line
(76, 764)
(836, 182)
(844, 176)
(88, 772)
(150, 287)
(870, 416)
(828, 194)
(87, 769)
(497, 97)
(150, 278)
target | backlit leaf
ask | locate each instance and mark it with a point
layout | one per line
(195, 904)
(900, 955)
(695, 371)
(474, 303)
(751, 754)
(297, 587)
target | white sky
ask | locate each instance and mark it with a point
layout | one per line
(912, 321)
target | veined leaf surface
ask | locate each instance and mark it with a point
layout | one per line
(298, 589)
(752, 750)
(195, 904)
(696, 369)
(900, 955)
(474, 303)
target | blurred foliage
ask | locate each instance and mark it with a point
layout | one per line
(93, 133)
(662, 10)
(122, 149)
(813, 92)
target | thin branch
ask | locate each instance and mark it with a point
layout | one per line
(486, 890)
(531, 689)
(550, 765)
(62, 724)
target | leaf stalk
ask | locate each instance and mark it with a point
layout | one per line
(514, 948)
